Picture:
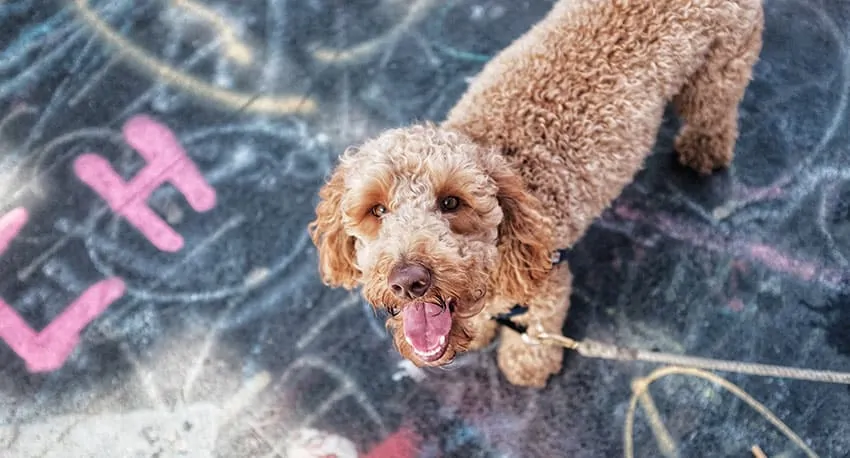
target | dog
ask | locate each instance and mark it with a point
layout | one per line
(446, 225)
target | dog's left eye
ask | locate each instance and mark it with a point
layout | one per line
(378, 211)
(450, 203)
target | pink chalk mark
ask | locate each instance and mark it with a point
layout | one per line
(780, 262)
(626, 212)
(764, 254)
(47, 350)
(736, 304)
(166, 162)
(10, 225)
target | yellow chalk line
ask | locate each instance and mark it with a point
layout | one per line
(267, 104)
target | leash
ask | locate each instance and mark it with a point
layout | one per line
(600, 350)
(676, 364)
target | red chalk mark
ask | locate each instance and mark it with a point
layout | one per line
(167, 162)
(402, 444)
(10, 224)
(47, 350)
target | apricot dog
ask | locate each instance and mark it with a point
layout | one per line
(446, 225)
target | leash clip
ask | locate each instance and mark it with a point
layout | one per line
(539, 336)
(505, 319)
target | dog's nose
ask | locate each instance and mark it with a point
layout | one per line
(409, 281)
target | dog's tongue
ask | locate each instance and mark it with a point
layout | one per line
(425, 324)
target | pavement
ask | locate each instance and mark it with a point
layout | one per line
(183, 315)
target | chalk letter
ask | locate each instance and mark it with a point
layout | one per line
(48, 349)
(166, 162)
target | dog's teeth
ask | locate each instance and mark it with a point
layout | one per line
(433, 351)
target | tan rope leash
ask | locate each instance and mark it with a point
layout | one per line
(692, 366)
(666, 445)
(683, 365)
(600, 350)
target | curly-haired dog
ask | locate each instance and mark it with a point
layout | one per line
(447, 225)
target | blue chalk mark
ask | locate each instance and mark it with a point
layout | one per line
(31, 37)
(14, 8)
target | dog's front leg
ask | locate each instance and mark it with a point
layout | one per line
(531, 365)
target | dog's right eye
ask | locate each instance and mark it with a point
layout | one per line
(378, 211)
(449, 204)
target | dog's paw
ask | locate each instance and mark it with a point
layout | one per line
(704, 152)
(529, 365)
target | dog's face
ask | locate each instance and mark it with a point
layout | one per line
(431, 225)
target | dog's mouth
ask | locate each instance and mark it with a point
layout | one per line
(426, 329)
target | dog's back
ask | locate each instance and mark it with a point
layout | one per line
(579, 98)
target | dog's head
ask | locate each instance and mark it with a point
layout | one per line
(431, 224)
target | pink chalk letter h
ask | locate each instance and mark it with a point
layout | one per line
(166, 162)
(47, 350)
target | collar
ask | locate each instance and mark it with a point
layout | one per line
(560, 256)
(505, 319)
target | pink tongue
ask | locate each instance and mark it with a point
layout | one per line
(424, 324)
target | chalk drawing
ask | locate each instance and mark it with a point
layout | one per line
(417, 11)
(233, 47)
(47, 350)
(262, 159)
(166, 162)
(212, 352)
(145, 61)
(313, 443)
(10, 225)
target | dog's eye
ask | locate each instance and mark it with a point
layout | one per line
(378, 211)
(449, 204)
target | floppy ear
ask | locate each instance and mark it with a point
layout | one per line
(336, 248)
(525, 237)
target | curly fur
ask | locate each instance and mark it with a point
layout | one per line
(548, 134)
